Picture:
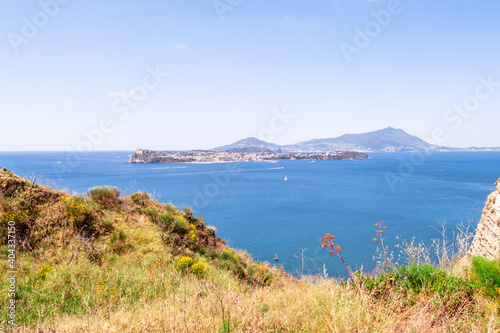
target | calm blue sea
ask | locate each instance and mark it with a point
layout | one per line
(254, 208)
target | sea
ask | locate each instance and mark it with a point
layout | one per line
(255, 209)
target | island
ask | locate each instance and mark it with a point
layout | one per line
(236, 155)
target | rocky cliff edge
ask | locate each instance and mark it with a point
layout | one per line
(486, 242)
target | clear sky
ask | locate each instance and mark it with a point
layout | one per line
(338, 66)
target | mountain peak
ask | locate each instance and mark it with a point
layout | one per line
(250, 142)
(391, 129)
(252, 139)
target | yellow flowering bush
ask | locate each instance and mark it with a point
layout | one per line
(181, 224)
(78, 209)
(229, 254)
(192, 233)
(184, 263)
(17, 216)
(199, 268)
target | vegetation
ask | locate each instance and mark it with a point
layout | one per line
(110, 263)
(487, 274)
(105, 196)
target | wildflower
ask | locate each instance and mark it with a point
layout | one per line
(43, 271)
(327, 239)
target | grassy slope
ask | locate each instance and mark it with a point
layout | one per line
(105, 263)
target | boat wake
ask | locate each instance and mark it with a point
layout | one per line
(222, 171)
(165, 168)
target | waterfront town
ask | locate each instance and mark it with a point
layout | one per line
(241, 155)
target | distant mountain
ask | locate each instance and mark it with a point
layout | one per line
(249, 150)
(388, 139)
(249, 143)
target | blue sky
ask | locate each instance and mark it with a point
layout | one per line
(233, 63)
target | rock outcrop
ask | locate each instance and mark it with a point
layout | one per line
(486, 242)
(138, 156)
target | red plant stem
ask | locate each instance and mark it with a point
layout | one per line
(356, 283)
(385, 255)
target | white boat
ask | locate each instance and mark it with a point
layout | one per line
(286, 178)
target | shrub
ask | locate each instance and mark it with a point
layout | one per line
(262, 276)
(228, 260)
(211, 230)
(171, 208)
(16, 216)
(250, 270)
(229, 255)
(184, 263)
(176, 224)
(199, 268)
(141, 199)
(153, 213)
(192, 235)
(487, 274)
(80, 213)
(166, 220)
(181, 225)
(188, 211)
(415, 278)
(105, 196)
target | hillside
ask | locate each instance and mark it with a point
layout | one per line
(109, 263)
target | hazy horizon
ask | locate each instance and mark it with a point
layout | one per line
(177, 76)
(227, 143)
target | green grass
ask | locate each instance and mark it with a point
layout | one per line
(487, 274)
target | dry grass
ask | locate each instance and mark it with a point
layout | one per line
(308, 305)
